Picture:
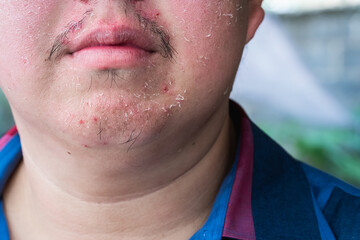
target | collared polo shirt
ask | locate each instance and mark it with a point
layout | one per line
(267, 195)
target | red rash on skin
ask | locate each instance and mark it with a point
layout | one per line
(165, 89)
(33, 27)
(81, 122)
(152, 15)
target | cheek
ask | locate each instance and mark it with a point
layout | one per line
(203, 18)
(23, 22)
(208, 27)
(21, 27)
(210, 35)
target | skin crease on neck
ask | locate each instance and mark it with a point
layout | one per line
(120, 153)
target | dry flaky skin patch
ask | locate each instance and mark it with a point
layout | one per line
(127, 109)
(111, 112)
(118, 106)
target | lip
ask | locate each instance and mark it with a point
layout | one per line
(112, 47)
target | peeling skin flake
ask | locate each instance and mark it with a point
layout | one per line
(148, 97)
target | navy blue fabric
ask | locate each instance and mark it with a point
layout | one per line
(281, 198)
(326, 232)
(291, 200)
(337, 205)
(323, 184)
(343, 212)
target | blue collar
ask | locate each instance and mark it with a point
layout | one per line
(10, 157)
(213, 228)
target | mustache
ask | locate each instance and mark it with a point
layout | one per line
(58, 48)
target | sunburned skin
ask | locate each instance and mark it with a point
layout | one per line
(142, 115)
(124, 100)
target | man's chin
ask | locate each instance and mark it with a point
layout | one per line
(122, 125)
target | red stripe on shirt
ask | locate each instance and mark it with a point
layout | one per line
(239, 222)
(7, 137)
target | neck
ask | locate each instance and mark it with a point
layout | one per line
(169, 198)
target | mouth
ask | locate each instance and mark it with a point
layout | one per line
(112, 48)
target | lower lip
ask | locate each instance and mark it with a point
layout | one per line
(110, 57)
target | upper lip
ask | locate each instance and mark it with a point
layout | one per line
(114, 36)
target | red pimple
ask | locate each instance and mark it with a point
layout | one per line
(151, 14)
(165, 88)
(81, 122)
(95, 119)
(84, 145)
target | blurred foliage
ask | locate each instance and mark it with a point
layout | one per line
(333, 150)
(6, 120)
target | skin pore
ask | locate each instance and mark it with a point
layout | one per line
(121, 153)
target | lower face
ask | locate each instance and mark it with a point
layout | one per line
(97, 102)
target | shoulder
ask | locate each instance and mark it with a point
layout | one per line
(305, 195)
(338, 202)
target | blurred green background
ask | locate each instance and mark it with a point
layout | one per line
(303, 86)
(327, 36)
(334, 150)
